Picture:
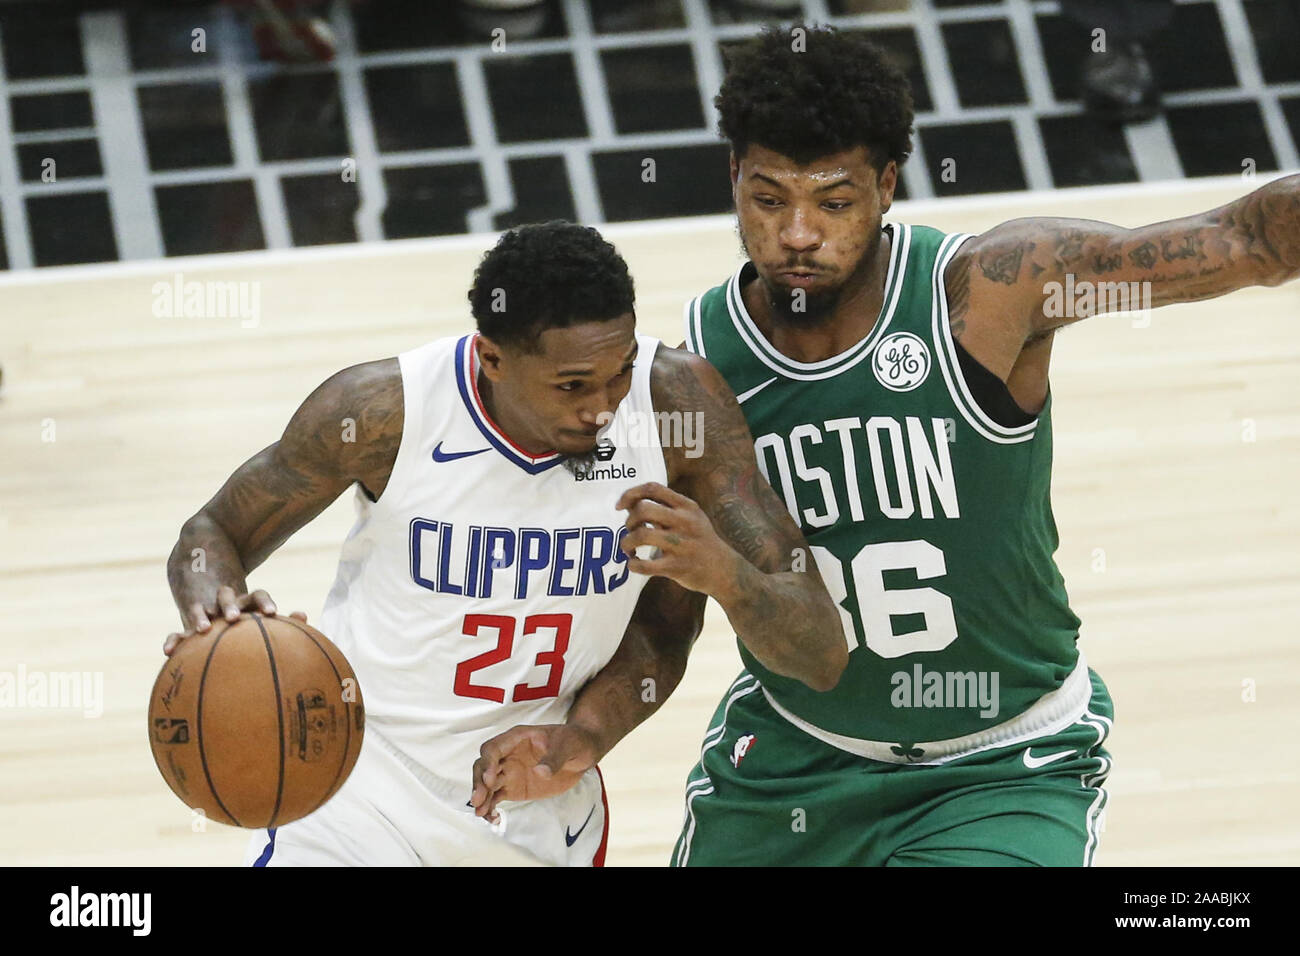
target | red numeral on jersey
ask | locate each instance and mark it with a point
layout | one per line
(553, 659)
(505, 641)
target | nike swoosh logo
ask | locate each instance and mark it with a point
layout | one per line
(746, 396)
(1033, 762)
(569, 840)
(440, 455)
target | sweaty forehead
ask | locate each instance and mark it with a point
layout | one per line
(850, 164)
(814, 176)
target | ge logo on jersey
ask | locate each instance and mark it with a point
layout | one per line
(901, 362)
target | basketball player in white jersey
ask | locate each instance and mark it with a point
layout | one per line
(506, 482)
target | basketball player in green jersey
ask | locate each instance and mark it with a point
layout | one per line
(895, 380)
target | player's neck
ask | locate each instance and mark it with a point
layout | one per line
(506, 423)
(850, 321)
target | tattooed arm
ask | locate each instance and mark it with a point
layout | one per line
(722, 531)
(283, 487)
(1006, 286)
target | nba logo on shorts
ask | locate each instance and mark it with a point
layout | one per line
(901, 362)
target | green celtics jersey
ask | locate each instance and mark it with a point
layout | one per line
(930, 522)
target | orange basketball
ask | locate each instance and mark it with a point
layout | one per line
(256, 723)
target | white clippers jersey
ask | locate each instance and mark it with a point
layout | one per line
(486, 586)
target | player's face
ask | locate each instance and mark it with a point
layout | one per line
(561, 396)
(811, 229)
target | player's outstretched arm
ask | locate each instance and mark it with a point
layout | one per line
(282, 488)
(532, 762)
(1013, 284)
(722, 531)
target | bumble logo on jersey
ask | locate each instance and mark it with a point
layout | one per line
(604, 474)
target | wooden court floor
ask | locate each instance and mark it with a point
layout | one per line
(1177, 451)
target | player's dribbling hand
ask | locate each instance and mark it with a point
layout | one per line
(530, 763)
(228, 605)
(690, 550)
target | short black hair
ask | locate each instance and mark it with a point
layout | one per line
(813, 94)
(546, 276)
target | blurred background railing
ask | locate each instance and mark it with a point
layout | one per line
(135, 129)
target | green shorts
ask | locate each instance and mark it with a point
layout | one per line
(784, 798)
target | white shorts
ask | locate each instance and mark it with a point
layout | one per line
(393, 812)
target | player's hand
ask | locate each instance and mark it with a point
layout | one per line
(530, 763)
(228, 605)
(691, 552)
